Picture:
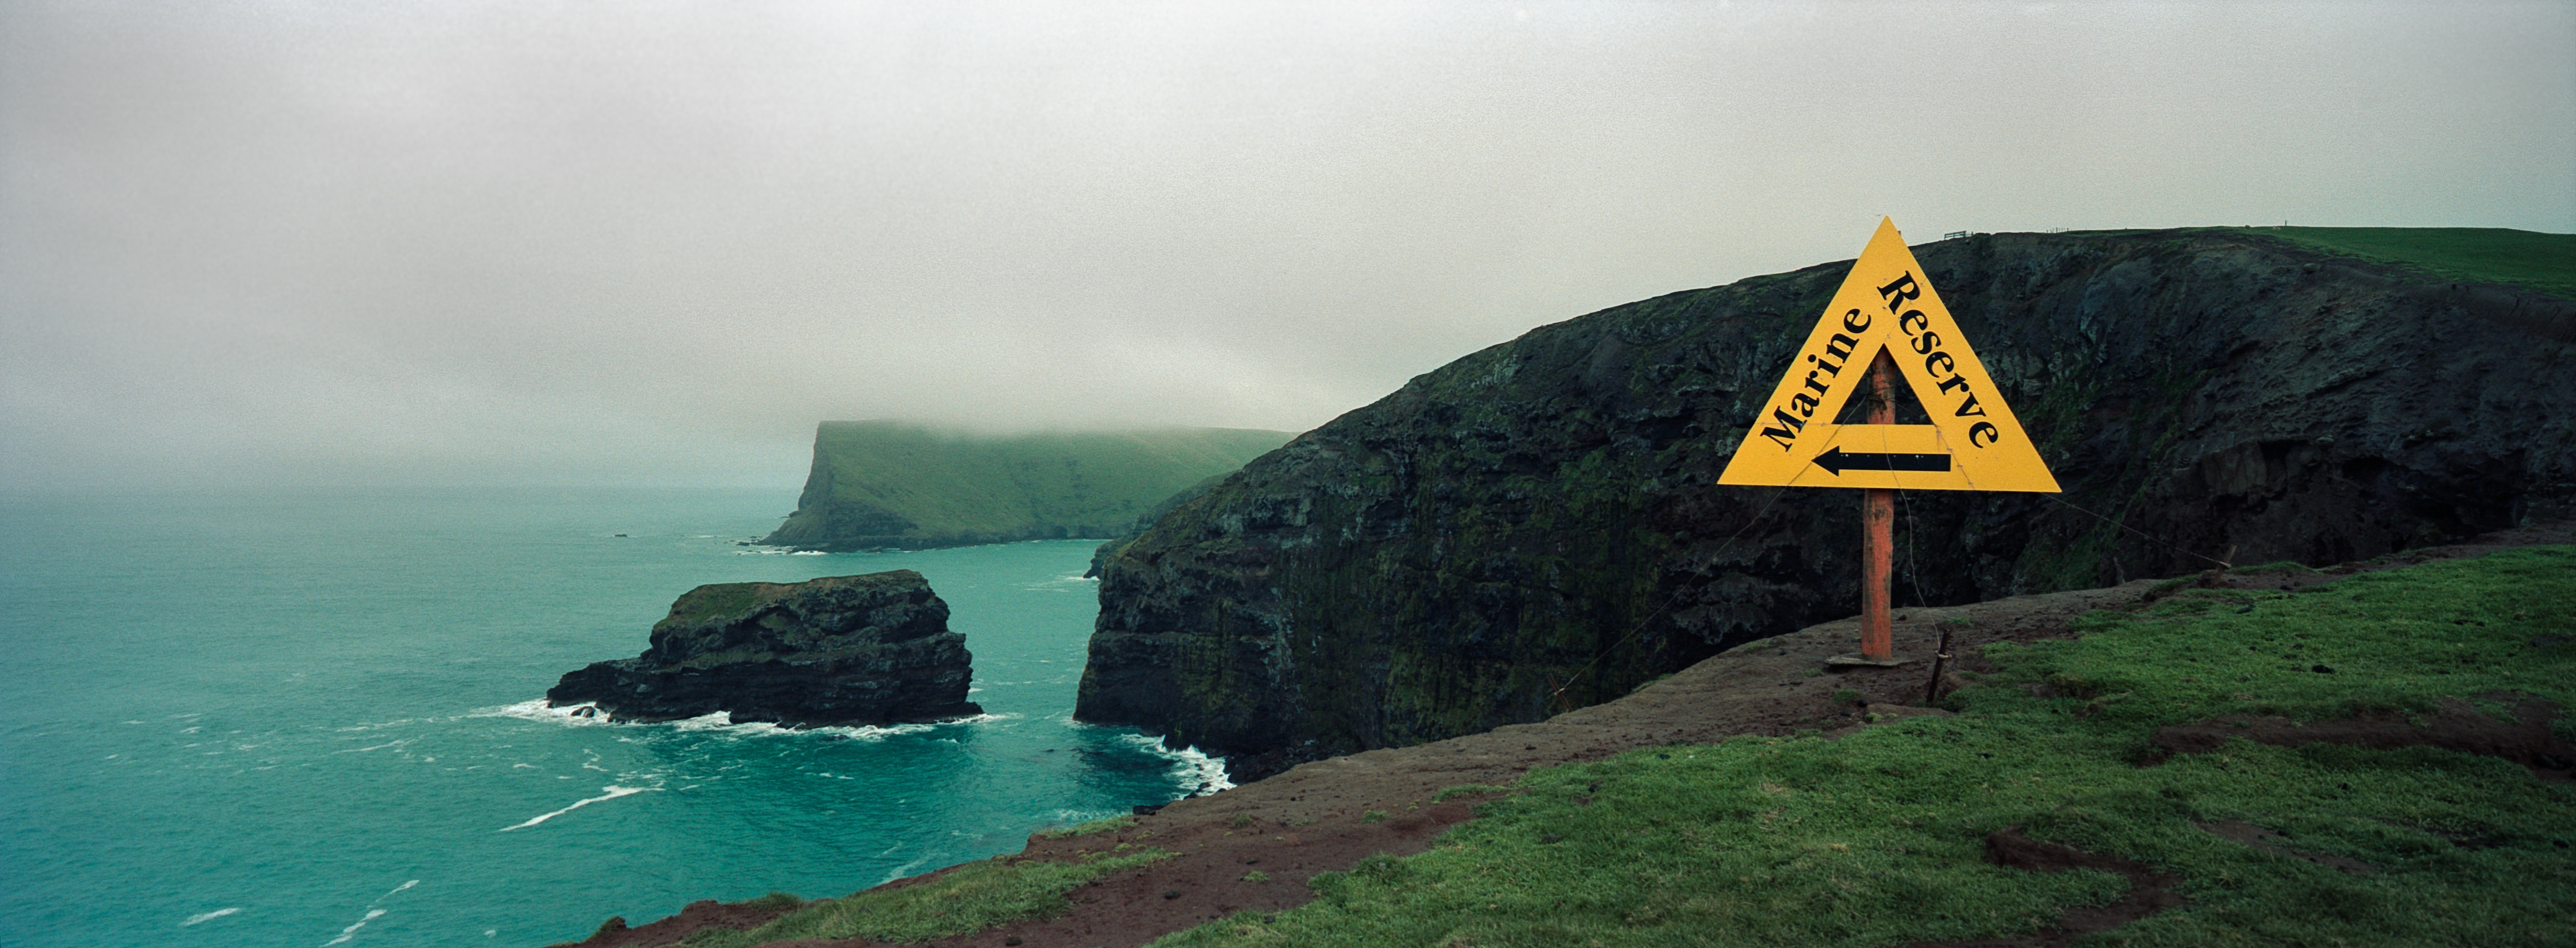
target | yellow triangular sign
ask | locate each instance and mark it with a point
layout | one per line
(1973, 442)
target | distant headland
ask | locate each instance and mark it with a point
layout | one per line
(890, 485)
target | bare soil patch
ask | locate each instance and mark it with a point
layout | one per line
(704, 913)
(2459, 726)
(2149, 891)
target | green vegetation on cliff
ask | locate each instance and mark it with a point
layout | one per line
(2528, 259)
(1877, 838)
(880, 484)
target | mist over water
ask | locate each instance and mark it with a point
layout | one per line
(314, 718)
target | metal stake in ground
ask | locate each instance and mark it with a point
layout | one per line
(1940, 658)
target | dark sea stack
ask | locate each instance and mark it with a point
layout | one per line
(1534, 527)
(840, 650)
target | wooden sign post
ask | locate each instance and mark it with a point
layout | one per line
(1878, 528)
(1887, 317)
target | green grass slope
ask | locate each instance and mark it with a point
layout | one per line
(2527, 259)
(887, 484)
(1875, 839)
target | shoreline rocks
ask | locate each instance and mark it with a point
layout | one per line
(872, 649)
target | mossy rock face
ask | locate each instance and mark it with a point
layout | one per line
(838, 650)
(813, 617)
(1534, 527)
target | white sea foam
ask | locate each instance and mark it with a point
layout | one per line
(906, 869)
(1190, 765)
(539, 710)
(379, 724)
(352, 931)
(362, 750)
(613, 791)
(723, 723)
(209, 916)
(1205, 769)
(718, 722)
(1069, 582)
(867, 732)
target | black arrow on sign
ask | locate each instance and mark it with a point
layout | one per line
(1836, 461)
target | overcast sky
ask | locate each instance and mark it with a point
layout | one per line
(655, 242)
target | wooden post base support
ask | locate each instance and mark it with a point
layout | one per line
(1876, 636)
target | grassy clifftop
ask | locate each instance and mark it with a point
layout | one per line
(2527, 259)
(2328, 834)
(887, 484)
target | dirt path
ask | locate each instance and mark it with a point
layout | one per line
(1314, 818)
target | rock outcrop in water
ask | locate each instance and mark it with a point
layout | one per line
(839, 650)
(1534, 527)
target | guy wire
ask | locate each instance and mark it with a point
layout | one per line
(2223, 564)
(1913, 570)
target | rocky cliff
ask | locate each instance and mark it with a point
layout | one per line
(882, 484)
(839, 650)
(1144, 521)
(1534, 527)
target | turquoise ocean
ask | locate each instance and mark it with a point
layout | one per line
(314, 719)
